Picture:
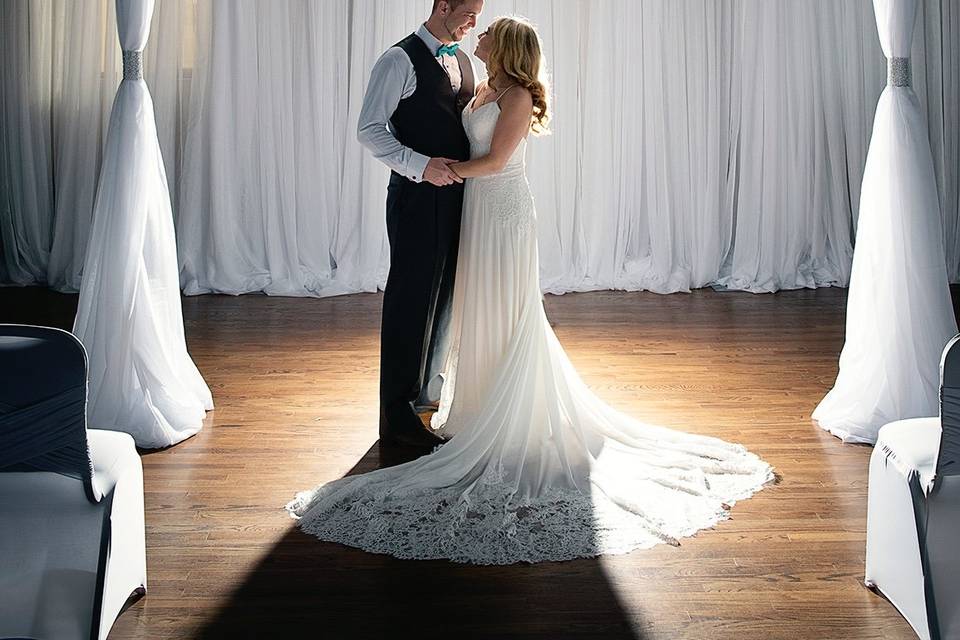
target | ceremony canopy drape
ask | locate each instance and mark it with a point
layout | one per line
(695, 142)
(141, 378)
(899, 312)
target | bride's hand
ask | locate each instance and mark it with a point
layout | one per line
(439, 173)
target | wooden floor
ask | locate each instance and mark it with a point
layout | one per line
(295, 386)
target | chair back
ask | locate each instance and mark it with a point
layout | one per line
(43, 403)
(948, 458)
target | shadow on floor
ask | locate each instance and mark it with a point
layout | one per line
(324, 590)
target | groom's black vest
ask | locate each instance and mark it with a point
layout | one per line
(428, 121)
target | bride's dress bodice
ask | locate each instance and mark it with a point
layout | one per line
(507, 192)
(479, 124)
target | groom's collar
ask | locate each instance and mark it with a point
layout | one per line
(429, 39)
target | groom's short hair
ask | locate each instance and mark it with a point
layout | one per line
(453, 4)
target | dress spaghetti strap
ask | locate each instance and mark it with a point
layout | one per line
(504, 92)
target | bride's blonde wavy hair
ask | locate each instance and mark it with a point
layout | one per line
(516, 55)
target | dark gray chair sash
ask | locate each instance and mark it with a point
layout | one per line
(948, 460)
(49, 435)
(920, 514)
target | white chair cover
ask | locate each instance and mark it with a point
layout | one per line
(142, 380)
(913, 512)
(72, 539)
(899, 313)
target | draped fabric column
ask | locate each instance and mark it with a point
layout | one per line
(899, 312)
(142, 380)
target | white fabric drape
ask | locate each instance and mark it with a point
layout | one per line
(695, 142)
(899, 312)
(277, 195)
(141, 378)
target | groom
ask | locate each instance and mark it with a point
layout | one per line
(410, 120)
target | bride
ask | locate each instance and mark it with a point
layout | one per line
(537, 467)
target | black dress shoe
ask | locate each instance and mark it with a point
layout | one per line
(401, 426)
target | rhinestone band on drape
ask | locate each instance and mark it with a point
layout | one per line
(898, 72)
(133, 65)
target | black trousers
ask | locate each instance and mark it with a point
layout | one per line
(423, 227)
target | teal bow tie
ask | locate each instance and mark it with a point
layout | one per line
(448, 50)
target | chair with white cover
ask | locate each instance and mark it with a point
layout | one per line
(72, 543)
(913, 512)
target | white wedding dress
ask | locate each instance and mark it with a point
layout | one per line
(538, 467)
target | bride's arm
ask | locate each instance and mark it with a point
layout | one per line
(516, 106)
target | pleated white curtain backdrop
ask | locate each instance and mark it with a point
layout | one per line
(899, 313)
(277, 195)
(696, 142)
(141, 378)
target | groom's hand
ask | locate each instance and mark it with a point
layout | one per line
(439, 174)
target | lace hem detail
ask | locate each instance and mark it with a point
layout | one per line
(490, 525)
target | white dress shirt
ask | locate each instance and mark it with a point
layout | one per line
(393, 78)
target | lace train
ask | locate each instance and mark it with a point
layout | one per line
(489, 523)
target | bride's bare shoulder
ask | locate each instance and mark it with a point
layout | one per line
(517, 97)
